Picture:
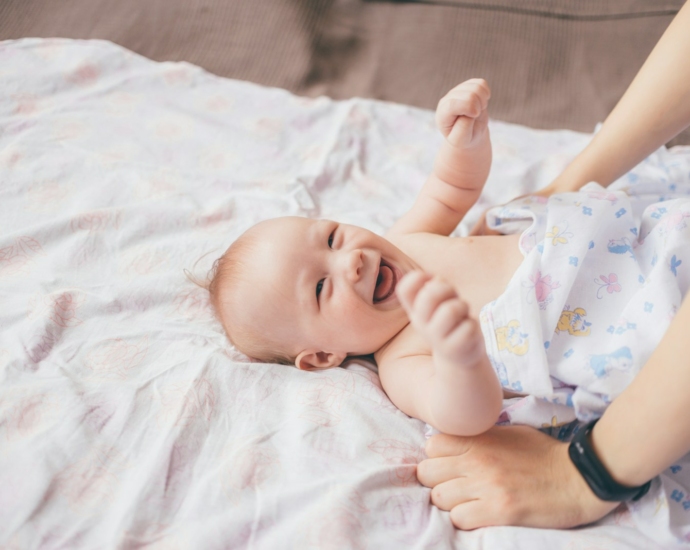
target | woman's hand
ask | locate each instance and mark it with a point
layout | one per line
(508, 476)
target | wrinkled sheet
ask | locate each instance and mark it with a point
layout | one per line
(126, 418)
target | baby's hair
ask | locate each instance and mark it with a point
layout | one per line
(223, 281)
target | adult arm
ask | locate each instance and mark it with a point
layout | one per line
(654, 109)
(519, 476)
(528, 486)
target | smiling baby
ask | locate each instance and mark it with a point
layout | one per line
(565, 309)
(314, 292)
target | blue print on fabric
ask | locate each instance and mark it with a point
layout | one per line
(620, 246)
(621, 359)
(660, 212)
(674, 264)
(621, 328)
(502, 374)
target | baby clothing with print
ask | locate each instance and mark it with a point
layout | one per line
(605, 271)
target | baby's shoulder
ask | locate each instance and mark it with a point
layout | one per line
(420, 246)
(408, 342)
(405, 367)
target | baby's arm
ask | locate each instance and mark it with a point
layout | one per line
(455, 390)
(462, 164)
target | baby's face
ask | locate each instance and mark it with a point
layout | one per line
(326, 286)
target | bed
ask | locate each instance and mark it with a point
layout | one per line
(127, 420)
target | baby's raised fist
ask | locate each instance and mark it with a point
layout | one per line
(436, 310)
(462, 115)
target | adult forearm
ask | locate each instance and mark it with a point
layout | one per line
(653, 110)
(647, 427)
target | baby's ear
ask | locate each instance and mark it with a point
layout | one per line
(312, 359)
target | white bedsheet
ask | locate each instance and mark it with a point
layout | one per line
(126, 419)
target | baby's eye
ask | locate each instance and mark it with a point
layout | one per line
(319, 286)
(330, 239)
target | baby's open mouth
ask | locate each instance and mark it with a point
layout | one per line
(385, 282)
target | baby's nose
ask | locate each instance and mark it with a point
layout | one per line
(355, 263)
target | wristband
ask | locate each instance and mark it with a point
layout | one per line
(597, 477)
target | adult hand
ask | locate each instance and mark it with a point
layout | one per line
(508, 476)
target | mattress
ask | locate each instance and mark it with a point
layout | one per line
(127, 420)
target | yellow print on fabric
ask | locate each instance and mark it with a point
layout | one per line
(510, 338)
(558, 235)
(573, 322)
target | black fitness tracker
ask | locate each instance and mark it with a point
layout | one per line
(599, 480)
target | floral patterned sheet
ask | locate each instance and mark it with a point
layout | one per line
(126, 418)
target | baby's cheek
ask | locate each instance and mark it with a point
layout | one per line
(349, 314)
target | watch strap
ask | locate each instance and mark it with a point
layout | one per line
(592, 470)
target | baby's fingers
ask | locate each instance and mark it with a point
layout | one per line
(433, 296)
(423, 296)
(447, 317)
(469, 99)
(408, 287)
(465, 343)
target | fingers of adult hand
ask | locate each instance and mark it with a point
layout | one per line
(450, 493)
(434, 471)
(470, 515)
(409, 286)
(447, 445)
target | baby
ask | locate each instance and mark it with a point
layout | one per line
(313, 292)
(571, 307)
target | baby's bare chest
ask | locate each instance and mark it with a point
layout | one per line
(478, 268)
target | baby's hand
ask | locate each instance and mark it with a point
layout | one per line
(435, 310)
(462, 114)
